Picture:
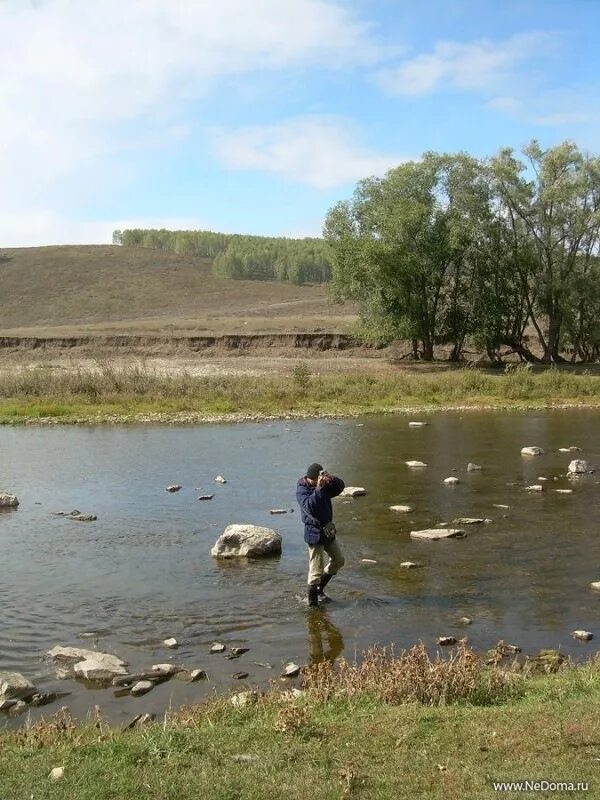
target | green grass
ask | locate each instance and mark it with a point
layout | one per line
(353, 745)
(107, 392)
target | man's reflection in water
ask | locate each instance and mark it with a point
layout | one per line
(325, 642)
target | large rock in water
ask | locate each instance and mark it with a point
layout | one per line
(532, 451)
(8, 500)
(13, 685)
(579, 467)
(247, 541)
(89, 664)
(438, 533)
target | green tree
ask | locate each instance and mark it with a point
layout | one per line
(551, 205)
(405, 247)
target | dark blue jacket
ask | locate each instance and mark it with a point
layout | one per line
(316, 503)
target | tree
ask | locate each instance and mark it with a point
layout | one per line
(553, 215)
(405, 248)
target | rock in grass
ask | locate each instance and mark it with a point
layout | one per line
(8, 500)
(401, 509)
(415, 464)
(532, 451)
(139, 720)
(247, 541)
(438, 533)
(585, 636)
(451, 481)
(244, 699)
(353, 491)
(57, 773)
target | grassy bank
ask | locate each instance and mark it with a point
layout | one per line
(421, 728)
(108, 393)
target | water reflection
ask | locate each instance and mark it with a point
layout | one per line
(325, 642)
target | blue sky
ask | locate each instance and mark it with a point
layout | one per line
(256, 116)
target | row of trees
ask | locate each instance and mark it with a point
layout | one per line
(501, 252)
(235, 256)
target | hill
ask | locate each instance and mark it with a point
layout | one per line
(75, 290)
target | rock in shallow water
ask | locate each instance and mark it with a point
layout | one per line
(584, 636)
(451, 481)
(532, 451)
(438, 533)
(579, 467)
(353, 491)
(15, 686)
(8, 500)
(247, 541)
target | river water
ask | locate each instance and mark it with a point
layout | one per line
(143, 571)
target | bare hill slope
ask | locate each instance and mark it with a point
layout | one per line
(72, 290)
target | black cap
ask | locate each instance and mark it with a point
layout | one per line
(313, 471)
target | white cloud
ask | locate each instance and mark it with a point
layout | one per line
(323, 152)
(79, 79)
(479, 66)
(33, 228)
(560, 107)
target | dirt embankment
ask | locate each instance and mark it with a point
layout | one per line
(141, 344)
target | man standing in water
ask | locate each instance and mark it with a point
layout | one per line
(313, 493)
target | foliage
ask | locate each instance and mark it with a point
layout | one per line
(451, 247)
(299, 261)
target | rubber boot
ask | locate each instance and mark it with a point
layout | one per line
(322, 584)
(313, 596)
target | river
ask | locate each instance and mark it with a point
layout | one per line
(143, 571)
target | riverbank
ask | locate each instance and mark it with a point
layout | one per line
(420, 728)
(137, 393)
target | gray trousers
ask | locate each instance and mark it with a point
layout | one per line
(316, 561)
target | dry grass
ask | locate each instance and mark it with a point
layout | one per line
(77, 290)
(414, 676)
(327, 744)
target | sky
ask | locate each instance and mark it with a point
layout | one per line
(257, 116)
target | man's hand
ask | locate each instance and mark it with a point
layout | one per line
(324, 480)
